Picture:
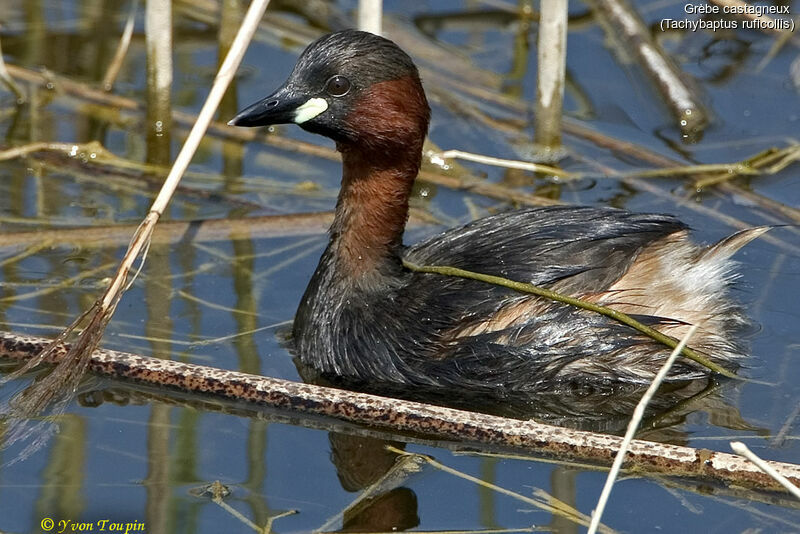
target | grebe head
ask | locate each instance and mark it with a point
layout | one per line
(359, 89)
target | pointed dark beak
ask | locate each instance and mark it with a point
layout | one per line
(278, 108)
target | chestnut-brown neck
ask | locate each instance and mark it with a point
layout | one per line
(381, 158)
(371, 214)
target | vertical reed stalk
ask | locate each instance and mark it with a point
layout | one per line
(122, 48)
(9, 81)
(232, 153)
(59, 384)
(552, 61)
(633, 425)
(158, 38)
(370, 13)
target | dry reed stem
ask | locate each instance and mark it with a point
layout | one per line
(621, 22)
(753, 166)
(108, 174)
(776, 47)
(63, 284)
(218, 493)
(560, 509)
(35, 246)
(636, 419)
(5, 76)
(19, 151)
(397, 474)
(774, 212)
(60, 383)
(457, 66)
(464, 183)
(274, 30)
(271, 519)
(731, 221)
(370, 16)
(122, 49)
(729, 494)
(197, 231)
(646, 155)
(277, 30)
(397, 415)
(572, 127)
(552, 64)
(158, 94)
(507, 163)
(741, 449)
(780, 437)
(769, 161)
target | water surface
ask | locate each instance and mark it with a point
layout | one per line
(227, 302)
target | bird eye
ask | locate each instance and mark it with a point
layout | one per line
(337, 86)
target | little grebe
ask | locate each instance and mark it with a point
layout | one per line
(366, 319)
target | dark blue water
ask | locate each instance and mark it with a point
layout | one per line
(226, 303)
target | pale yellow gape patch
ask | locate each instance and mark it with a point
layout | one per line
(309, 110)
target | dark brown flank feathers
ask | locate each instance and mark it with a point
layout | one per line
(366, 322)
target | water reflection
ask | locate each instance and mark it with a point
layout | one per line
(369, 466)
(591, 407)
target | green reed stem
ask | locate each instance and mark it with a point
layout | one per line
(572, 301)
